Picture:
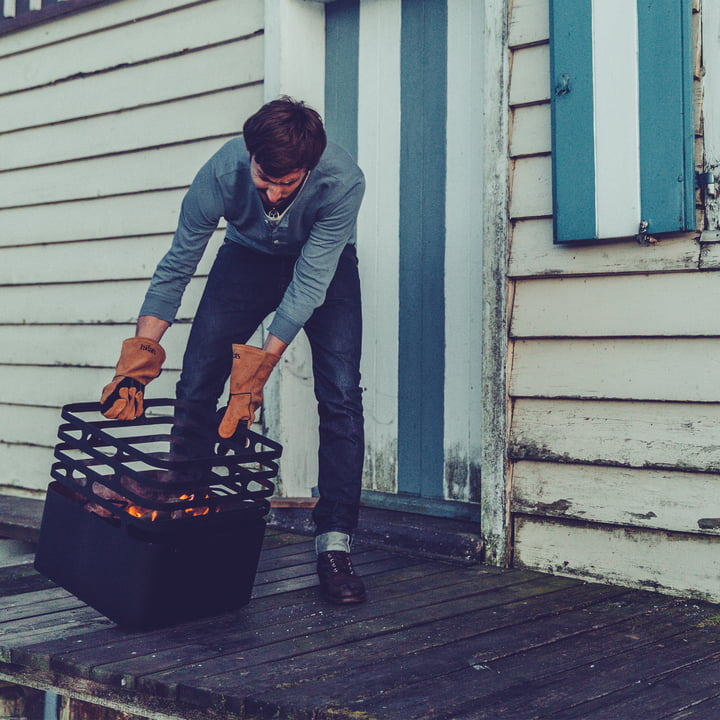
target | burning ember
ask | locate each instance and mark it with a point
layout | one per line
(154, 494)
(193, 511)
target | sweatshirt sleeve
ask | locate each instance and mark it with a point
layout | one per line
(315, 268)
(200, 213)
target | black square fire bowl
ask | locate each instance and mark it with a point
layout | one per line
(147, 540)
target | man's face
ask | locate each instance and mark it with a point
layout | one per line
(275, 189)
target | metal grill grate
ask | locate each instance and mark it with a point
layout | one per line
(125, 470)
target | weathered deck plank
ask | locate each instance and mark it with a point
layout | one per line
(709, 708)
(330, 669)
(654, 698)
(536, 682)
(413, 662)
(435, 641)
(326, 628)
(18, 580)
(20, 517)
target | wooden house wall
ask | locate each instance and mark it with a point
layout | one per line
(106, 117)
(615, 401)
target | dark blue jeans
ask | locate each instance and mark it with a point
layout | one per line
(243, 287)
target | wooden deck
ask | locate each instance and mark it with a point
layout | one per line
(434, 641)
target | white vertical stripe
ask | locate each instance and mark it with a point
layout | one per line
(8, 8)
(378, 232)
(294, 65)
(464, 242)
(616, 109)
(295, 51)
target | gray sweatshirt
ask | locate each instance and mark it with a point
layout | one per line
(314, 229)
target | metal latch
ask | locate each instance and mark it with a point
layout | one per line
(642, 236)
(563, 85)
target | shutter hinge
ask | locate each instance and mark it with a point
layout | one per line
(707, 181)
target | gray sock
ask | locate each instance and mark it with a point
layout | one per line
(332, 541)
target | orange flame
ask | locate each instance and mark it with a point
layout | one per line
(195, 511)
(145, 514)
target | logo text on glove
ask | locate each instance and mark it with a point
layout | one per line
(148, 348)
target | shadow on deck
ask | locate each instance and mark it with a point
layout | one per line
(435, 640)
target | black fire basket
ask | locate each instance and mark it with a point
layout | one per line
(145, 538)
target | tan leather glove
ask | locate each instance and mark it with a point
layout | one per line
(140, 362)
(251, 369)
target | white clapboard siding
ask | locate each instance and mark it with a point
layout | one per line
(683, 436)
(22, 424)
(152, 169)
(530, 78)
(533, 254)
(107, 117)
(531, 196)
(665, 304)
(25, 469)
(153, 37)
(86, 22)
(49, 386)
(529, 22)
(150, 213)
(613, 377)
(84, 345)
(678, 501)
(680, 369)
(116, 259)
(109, 302)
(216, 67)
(80, 345)
(220, 113)
(686, 565)
(530, 130)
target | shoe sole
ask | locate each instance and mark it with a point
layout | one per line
(344, 601)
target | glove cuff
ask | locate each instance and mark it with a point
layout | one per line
(251, 365)
(141, 359)
(250, 353)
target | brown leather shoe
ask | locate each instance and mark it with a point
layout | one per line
(338, 582)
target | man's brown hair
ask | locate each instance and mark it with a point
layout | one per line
(285, 135)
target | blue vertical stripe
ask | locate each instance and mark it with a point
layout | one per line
(422, 247)
(573, 134)
(342, 34)
(667, 142)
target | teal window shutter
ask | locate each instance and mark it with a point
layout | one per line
(622, 118)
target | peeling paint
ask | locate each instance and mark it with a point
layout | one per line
(643, 516)
(709, 523)
(380, 470)
(559, 507)
(462, 475)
